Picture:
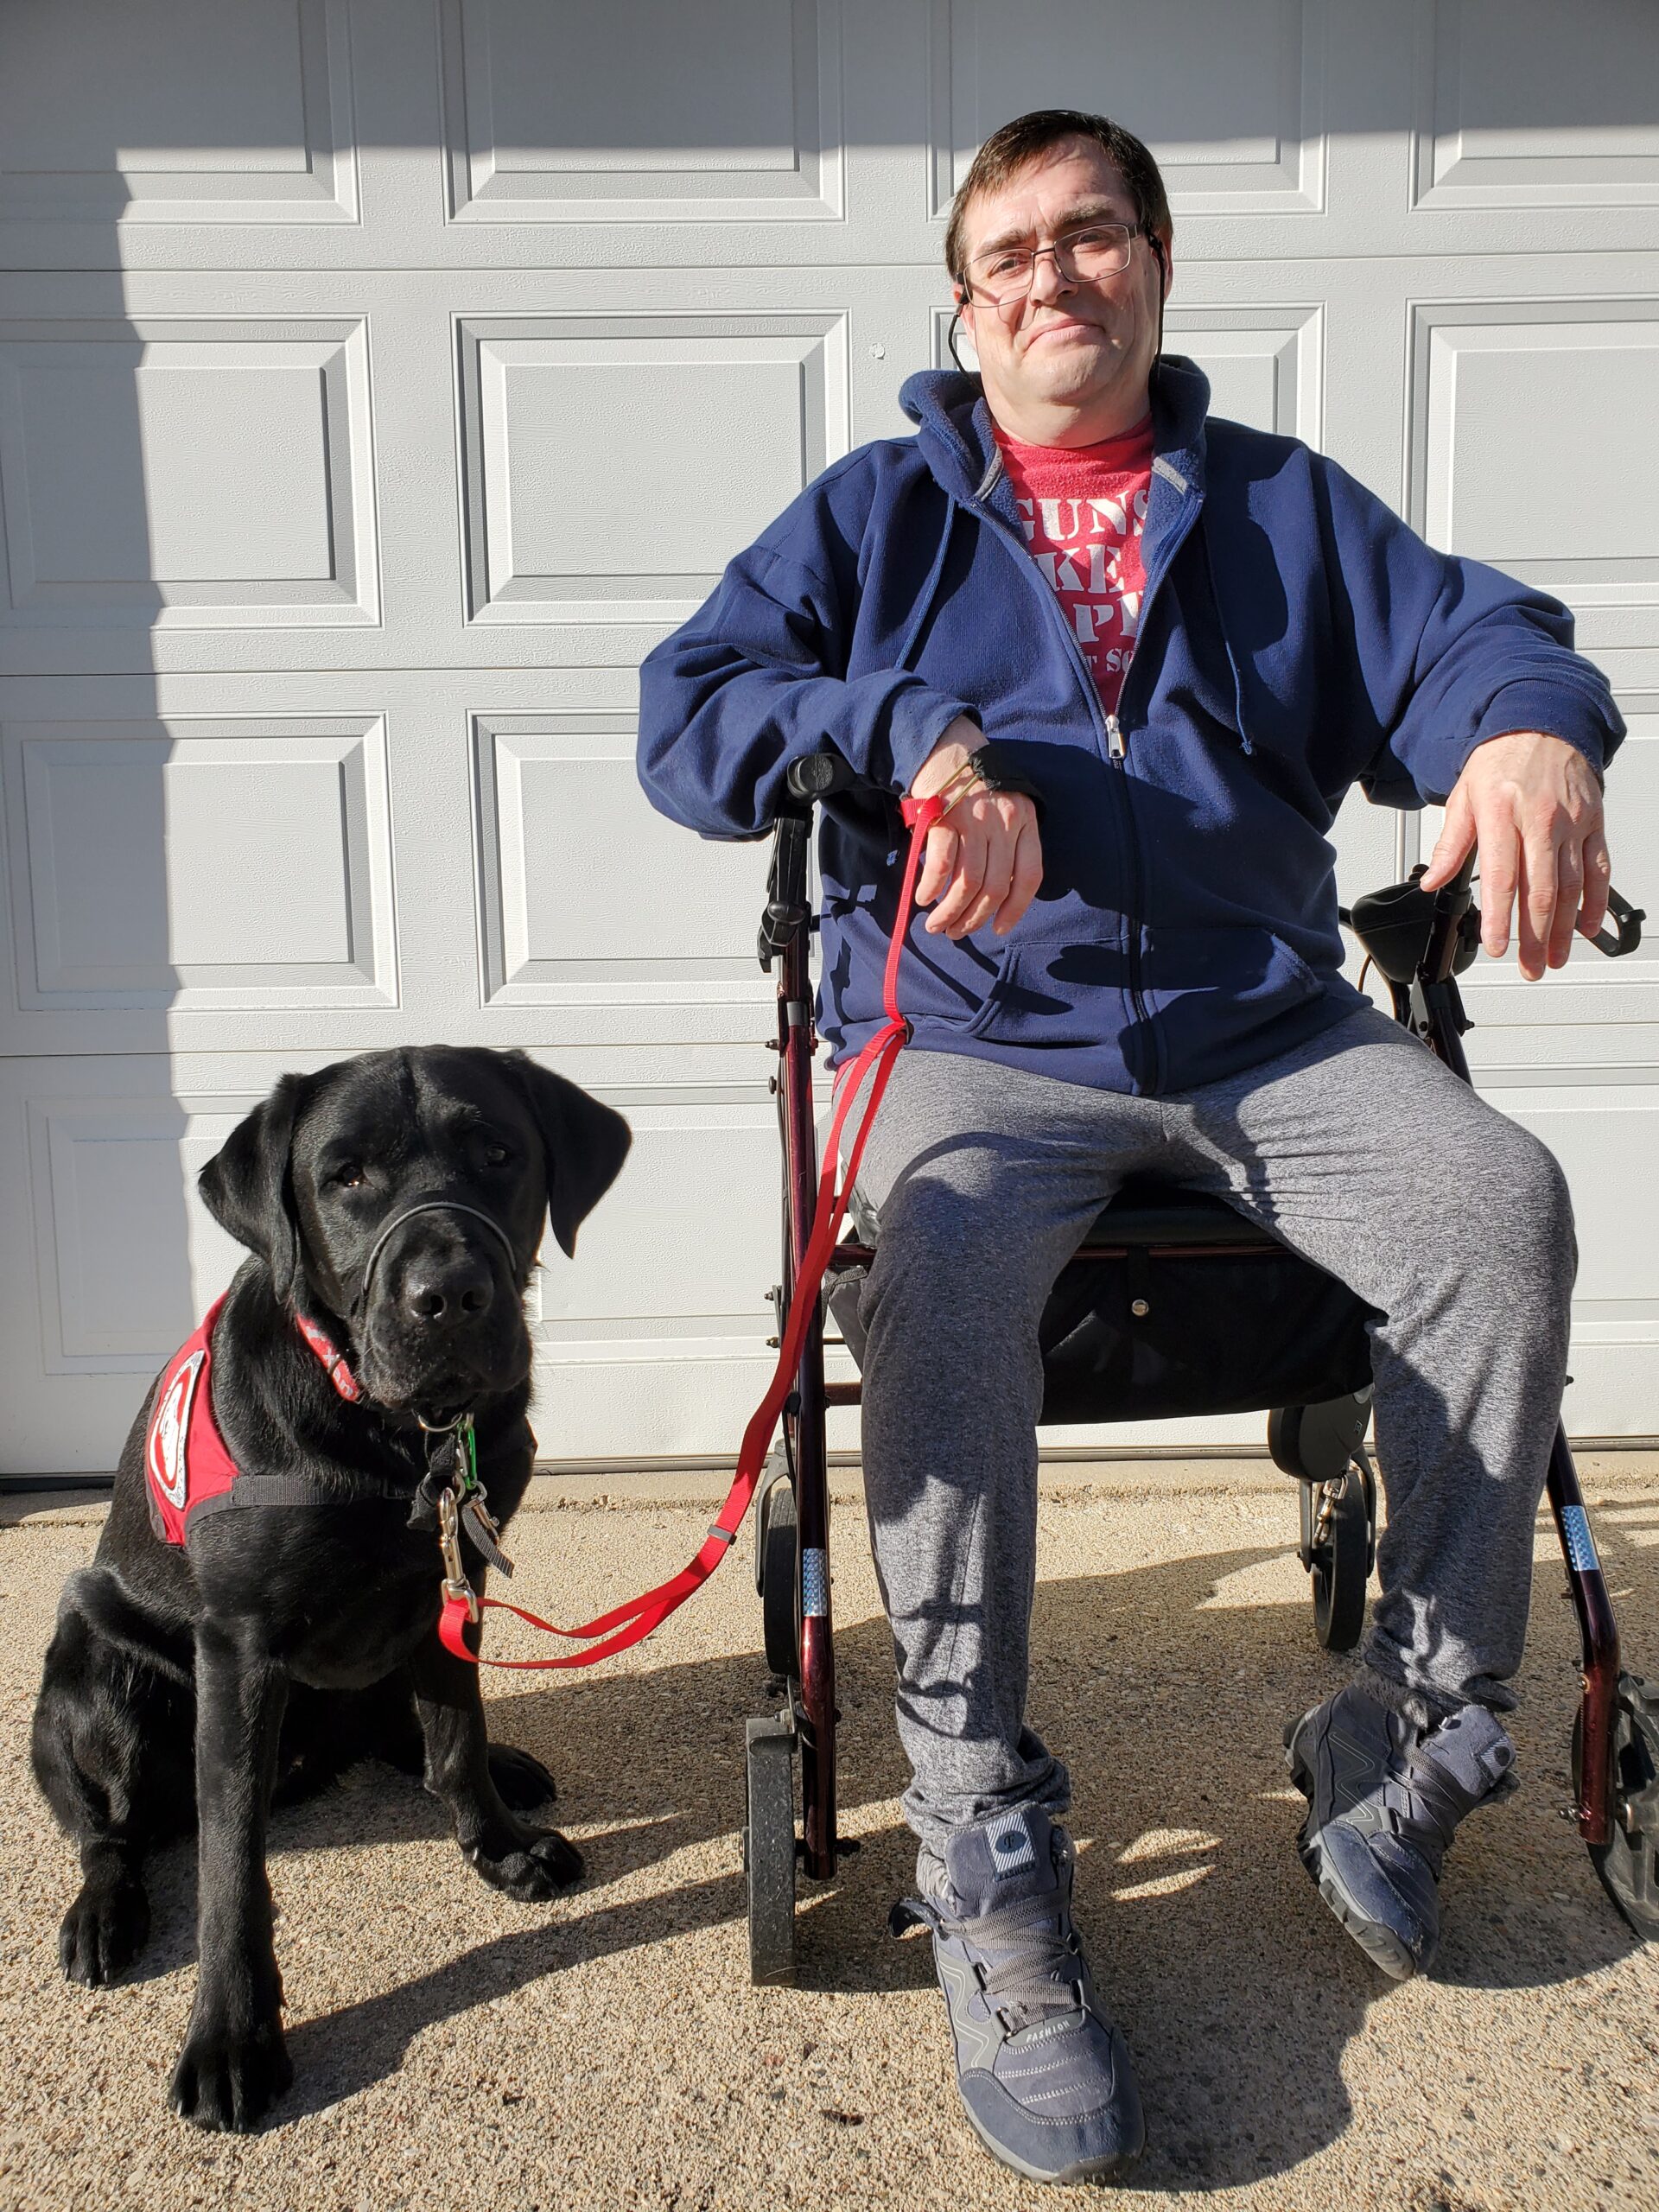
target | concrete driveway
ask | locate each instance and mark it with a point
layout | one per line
(452, 2050)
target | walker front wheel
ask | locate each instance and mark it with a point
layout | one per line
(1627, 1865)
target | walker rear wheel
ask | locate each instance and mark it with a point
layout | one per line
(1627, 1865)
(769, 1850)
(1336, 1545)
(777, 1570)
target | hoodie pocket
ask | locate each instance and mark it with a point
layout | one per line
(1211, 990)
(1206, 989)
(941, 979)
(1047, 994)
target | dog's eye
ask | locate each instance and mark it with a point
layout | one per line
(348, 1174)
(494, 1154)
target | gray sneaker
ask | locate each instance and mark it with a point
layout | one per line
(1383, 1799)
(1043, 2075)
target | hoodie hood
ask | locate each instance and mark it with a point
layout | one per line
(954, 428)
(958, 438)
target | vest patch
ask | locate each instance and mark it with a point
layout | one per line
(170, 1430)
(185, 1460)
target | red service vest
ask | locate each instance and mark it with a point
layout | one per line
(185, 1460)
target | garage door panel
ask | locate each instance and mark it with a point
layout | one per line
(159, 474)
(1590, 370)
(693, 434)
(566, 476)
(126, 140)
(676, 1348)
(635, 113)
(590, 899)
(1523, 103)
(97, 1166)
(1596, 1131)
(1594, 1014)
(370, 134)
(196, 865)
(126, 1245)
(1243, 133)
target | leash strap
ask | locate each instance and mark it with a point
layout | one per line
(460, 1624)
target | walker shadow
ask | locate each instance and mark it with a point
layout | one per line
(1199, 1915)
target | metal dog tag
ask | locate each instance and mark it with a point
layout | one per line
(481, 1526)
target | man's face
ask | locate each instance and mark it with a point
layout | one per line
(1069, 343)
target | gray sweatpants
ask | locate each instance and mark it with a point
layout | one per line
(1359, 1150)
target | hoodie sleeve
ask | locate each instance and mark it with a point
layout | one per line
(1448, 652)
(756, 679)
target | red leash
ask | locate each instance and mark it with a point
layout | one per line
(630, 1624)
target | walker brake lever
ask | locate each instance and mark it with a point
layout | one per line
(1626, 932)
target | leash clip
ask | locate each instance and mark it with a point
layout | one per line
(455, 1584)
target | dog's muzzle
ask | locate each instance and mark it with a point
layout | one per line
(431, 1205)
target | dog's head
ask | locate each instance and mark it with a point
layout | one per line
(401, 1197)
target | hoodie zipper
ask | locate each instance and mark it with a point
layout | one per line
(1117, 752)
(1117, 749)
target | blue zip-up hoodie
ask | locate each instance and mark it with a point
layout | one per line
(1295, 638)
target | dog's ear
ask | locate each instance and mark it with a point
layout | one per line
(246, 1185)
(584, 1144)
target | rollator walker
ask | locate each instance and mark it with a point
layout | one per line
(1174, 1304)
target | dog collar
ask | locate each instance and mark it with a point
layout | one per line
(333, 1361)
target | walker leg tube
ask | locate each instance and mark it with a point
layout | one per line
(1598, 1638)
(818, 1646)
(811, 1490)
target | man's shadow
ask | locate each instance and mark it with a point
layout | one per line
(1165, 1687)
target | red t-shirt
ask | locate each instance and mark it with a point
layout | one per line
(1082, 509)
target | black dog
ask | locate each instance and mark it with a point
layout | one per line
(287, 1638)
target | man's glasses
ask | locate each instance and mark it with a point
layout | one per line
(1094, 250)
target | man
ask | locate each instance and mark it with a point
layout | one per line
(1190, 638)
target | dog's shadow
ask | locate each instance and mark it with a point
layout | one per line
(1197, 1914)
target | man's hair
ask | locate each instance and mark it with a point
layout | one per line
(1006, 151)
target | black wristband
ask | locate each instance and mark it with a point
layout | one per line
(996, 767)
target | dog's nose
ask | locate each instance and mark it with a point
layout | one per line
(446, 1292)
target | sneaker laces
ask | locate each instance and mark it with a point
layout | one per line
(1039, 1976)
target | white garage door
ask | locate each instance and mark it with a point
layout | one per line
(378, 381)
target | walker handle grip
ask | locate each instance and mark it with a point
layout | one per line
(818, 776)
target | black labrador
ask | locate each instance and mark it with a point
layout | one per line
(284, 1640)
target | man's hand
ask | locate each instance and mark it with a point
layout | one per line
(984, 853)
(1534, 806)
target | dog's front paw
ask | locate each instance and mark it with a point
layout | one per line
(103, 1931)
(538, 1866)
(228, 2078)
(520, 1779)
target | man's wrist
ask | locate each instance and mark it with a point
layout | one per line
(961, 784)
(1572, 745)
(959, 731)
